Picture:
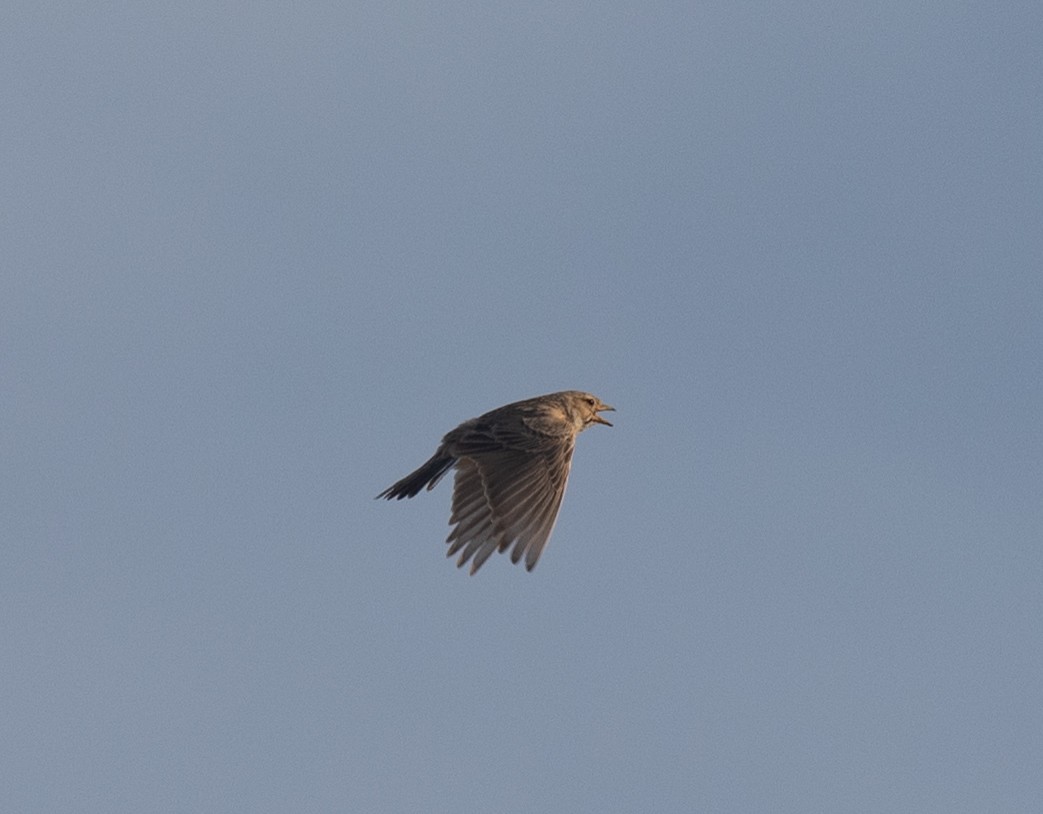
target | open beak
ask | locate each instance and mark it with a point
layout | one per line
(599, 419)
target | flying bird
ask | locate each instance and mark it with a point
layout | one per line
(512, 465)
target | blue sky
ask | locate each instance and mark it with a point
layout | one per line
(259, 259)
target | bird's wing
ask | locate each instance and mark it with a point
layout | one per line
(506, 497)
(502, 431)
(472, 516)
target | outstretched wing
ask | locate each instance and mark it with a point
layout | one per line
(506, 496)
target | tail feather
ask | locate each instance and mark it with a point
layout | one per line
(427, 475)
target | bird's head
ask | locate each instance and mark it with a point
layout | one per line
(583, 409)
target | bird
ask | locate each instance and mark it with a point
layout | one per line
(512, 464)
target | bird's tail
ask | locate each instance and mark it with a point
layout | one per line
(427, 475)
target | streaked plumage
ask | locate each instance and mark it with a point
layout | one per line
(512, 465)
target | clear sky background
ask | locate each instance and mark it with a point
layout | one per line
(258, 258)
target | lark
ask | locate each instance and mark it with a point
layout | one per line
(512, 465)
